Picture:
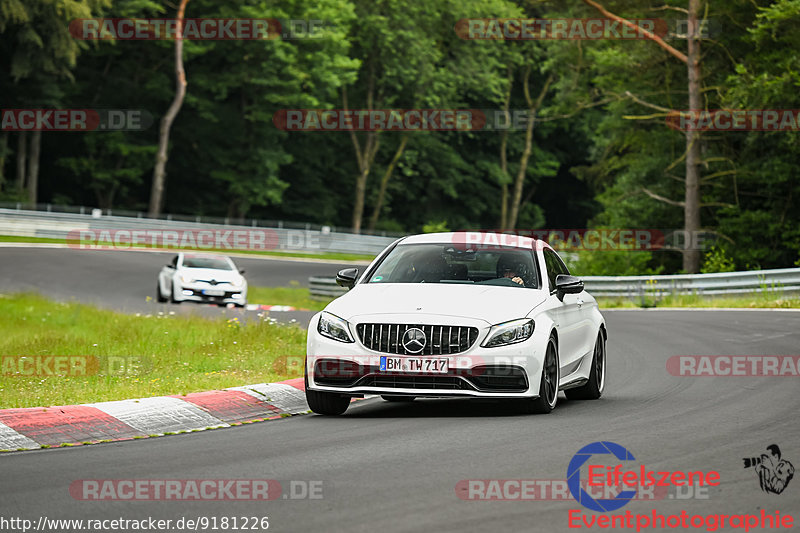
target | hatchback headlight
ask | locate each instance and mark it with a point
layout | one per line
(509, 333)
(238, 282)
(185, 278)
(333, 327)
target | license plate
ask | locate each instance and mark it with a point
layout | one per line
(211, 292)
(413, 365)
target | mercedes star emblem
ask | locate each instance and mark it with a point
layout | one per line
(414, 340)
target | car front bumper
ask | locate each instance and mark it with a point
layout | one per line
(511, 371)
(199, 292)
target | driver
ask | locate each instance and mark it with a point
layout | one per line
(507, 267)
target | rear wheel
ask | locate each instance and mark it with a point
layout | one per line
(597, 376)
(327, 403)
(548, 385)
(390, 398)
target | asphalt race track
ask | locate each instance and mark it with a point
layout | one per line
(123, 280)
(394, 467)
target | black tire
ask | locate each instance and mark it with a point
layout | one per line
(327, 403)
(159, 297)
(172, 295)
(593, 388)
(390, 398)
(548, 385)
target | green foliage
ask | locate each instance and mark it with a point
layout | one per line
(435, 227)
(601, 153)
(611, 263)
(717, 261)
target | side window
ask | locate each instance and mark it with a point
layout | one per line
(551, 262)
(562, 268)
(175, 262)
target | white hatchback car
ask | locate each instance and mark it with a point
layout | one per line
(480, 315)
(202, 278)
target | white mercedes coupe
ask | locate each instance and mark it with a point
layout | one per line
(202, 278)
(466, 314)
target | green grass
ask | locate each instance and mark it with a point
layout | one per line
(308, 255)
(756, 300)
(175, 355)
(17, 238)
(294, 295)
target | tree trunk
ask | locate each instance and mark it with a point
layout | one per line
(22, 157)
(376, 212)
(691, 213)
(364, 156)
(691, 204)
(33, 168)
(504, 151)
(159, 172)
(533, 109)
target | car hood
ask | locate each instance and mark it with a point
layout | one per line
(490, 304)
(210, 273)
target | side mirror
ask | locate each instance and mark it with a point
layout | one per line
(347, 277)
(241, 271)
(568, 285)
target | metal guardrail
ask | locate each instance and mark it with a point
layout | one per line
(56, 225)
(325, 288)
(780, 280)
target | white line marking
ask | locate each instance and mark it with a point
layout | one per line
(12, 440)
(159, 415)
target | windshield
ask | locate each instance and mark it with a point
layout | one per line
(206, 262)
(444, 263)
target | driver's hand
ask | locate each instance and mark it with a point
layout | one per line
(518, 280)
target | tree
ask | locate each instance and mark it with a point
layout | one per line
(435, 70)
(159, 172)
(38, 52)
(691, 203)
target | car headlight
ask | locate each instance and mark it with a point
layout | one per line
(333, 327)
(238, 282)
(185, 279)
(509, 333)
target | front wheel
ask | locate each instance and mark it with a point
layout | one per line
(327, 403)
(172, 298)
(159, 297)
(548, 384)
(597, 376)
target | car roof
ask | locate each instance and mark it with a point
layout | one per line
(192, 255)
(486, 238)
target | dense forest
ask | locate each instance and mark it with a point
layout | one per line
(596, 151)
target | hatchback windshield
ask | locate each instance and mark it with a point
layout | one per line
(206, 262)
(445, 263)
